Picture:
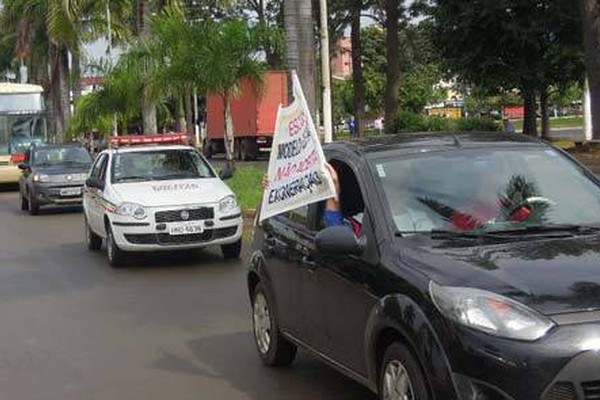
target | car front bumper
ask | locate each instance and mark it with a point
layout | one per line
(59, 194)
(564, 365)
(144, 236)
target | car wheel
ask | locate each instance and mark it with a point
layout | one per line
(92, 241)
(232, 250)
(34, 206)
(274, 349)
(24, 202)
(116, 257)
(401, 375)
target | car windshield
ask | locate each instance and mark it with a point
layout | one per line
(159, 165)
(487, 190)
(59, 156)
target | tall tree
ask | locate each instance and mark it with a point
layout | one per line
(392, 23)
(509, 44)
(357, 69)
(300, 46)
(591, 36)
(149, 123)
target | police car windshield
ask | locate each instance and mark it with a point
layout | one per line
(487, 190)
(158, 165)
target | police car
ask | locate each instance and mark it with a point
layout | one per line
(150, 194)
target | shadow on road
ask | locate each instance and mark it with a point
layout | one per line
(233, 358)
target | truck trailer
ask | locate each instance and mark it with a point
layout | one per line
(254, 113)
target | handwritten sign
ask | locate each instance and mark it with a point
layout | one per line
(297, 172)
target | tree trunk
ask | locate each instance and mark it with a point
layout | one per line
(530, 121)
(591, 39)
(64, 94)
(229, 139)
(76, 76)
(300, 46)
(357, 73)
(392, 91)
(189, 112)
(149, 125)
(545, 114)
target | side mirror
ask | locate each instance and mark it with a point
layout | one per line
(226, 172)
(23, 166)
(94, 183)
(338, 240)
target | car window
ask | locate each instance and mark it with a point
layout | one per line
(103, 168)
(168, 164)
(61, 156)
(299, 216)
(95, 172)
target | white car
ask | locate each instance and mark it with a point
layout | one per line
(141, 199)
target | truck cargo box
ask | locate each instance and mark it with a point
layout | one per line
(253, 113)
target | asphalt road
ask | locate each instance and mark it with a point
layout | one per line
(167, 327)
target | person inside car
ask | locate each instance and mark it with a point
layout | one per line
(333, 214)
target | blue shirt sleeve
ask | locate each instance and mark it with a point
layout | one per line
(333, 218)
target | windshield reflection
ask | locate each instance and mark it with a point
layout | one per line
(488, 191)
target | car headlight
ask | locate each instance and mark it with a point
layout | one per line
(489, 313)
(37, 177)
(228, 204)
(132, 210)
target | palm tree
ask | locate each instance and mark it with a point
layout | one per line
(591, 35)
(300, 46)
(227, 57)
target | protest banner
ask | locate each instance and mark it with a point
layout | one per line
(297, 173)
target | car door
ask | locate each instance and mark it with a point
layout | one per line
(92, 204)
(286, 237)
(341, 289)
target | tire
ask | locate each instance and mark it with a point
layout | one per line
(273, 349)
(116, 257)
(34, 206)
(92, 241)
(232, 250)
(401, 375)
(248, 149)
(207, 149)
(24, 202)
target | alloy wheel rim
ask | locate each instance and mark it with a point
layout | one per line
(262, 323)
(396, 382)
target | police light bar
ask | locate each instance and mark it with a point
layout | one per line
(169, 138)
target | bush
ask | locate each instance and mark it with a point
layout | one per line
(439, 124)
(477, 124)
(407, 121)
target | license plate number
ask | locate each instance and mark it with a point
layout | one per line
(185, 229)
(70, 192)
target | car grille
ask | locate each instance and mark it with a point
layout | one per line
(561, 391)
(164, 239)
(195, 214)
(591, 390)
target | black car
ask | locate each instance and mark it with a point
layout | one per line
(475, 275)
(53, 174)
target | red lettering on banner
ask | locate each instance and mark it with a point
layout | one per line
(297, 124)
(297, 168)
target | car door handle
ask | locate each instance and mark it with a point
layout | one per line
(308, 263)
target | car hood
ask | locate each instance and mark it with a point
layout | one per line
(552, 276)
(172, 192)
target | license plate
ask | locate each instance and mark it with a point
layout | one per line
(70, 192)
(185, 229)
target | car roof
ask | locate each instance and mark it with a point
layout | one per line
(37, 146)
(419, 141)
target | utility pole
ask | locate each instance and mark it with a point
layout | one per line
(587, 112)
(326, 73)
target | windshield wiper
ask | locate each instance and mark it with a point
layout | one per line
(445, 234)
(134, 178)
(542, 229)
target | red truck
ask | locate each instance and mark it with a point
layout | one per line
(254, 117)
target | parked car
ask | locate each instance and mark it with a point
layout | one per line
(476, 273)
(52, 175)
(158, 197)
